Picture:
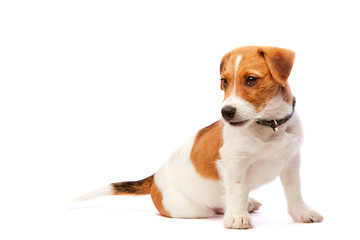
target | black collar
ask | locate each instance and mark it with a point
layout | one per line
(274, 124)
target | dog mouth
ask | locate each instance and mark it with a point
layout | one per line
(239, 123)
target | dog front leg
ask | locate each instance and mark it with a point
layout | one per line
(236, 195)
(298, 210)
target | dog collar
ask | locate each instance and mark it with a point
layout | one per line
(274, 124)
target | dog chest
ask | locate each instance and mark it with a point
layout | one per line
(264, 154)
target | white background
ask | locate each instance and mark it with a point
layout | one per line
(93, 92)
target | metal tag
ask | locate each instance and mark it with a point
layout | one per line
(275, 126)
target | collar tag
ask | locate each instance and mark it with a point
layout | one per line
(275, 126)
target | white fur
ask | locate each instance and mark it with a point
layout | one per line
(244, 110)
(104, 191)
(185, 193)
(237, 63)
(275, 109)
(250, 157)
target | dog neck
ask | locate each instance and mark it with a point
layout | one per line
(275, 123)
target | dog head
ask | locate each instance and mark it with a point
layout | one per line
(254, 80)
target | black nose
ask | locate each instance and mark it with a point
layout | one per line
(228, 112)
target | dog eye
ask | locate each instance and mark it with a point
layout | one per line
(251, 80)
(224, 83)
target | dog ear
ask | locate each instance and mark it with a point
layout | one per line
(224, 61)
(279, 61)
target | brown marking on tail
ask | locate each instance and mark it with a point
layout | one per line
(141, 187)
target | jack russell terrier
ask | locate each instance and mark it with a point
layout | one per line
(257, 139)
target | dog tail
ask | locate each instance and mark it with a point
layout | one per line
(136, 188)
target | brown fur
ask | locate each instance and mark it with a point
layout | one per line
(270, 65)
(223, 63)
(279, 61)
(141, 187)
(205, 151)
(157, 199)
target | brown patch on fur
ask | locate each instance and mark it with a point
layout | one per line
(270, 65)
(223, 63)
(157, 199)
(260, 94)
(141, 187)
(279, 61)
(205, 151)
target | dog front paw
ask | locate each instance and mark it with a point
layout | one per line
(243, 222)
(305, 215)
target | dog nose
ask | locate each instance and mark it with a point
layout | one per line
(228, 112)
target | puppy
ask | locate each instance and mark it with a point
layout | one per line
(257, 139)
